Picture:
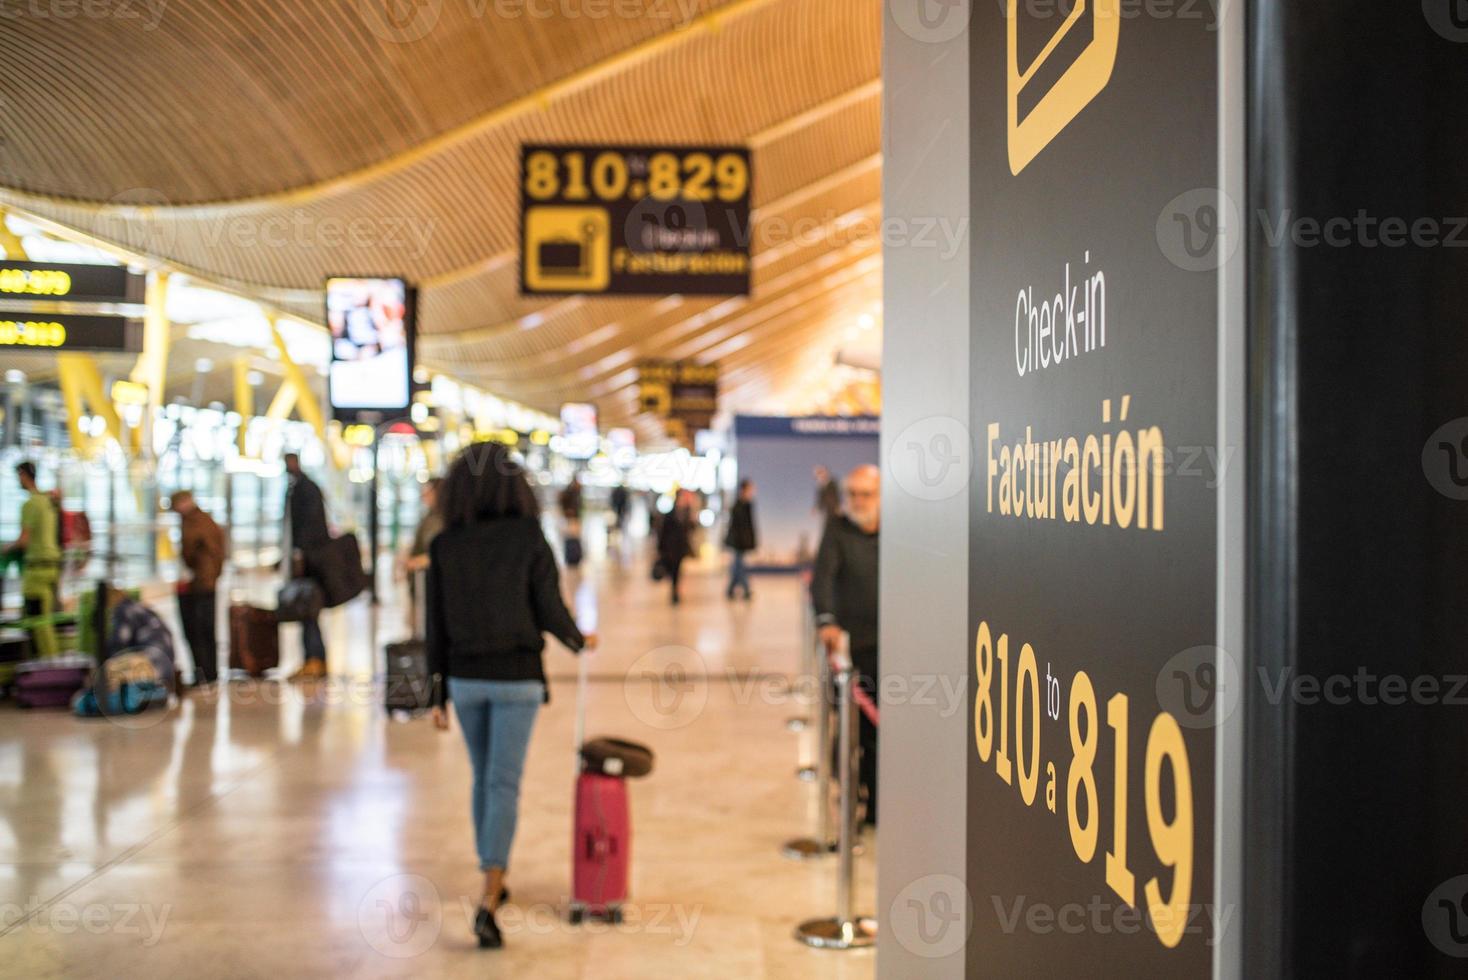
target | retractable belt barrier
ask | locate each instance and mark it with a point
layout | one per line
(844, 930)
(823, 843)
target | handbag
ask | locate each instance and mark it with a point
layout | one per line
(337, 566)
(300, 601)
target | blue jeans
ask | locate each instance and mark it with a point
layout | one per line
(312, 641)
(496, 717)
(738, 574)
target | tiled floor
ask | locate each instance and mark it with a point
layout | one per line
(275, 831)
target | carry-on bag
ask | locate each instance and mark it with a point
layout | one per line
(337, 565)
(254, 639)
(406, 686)
(299, 601)
(51, 683)
(601, 844)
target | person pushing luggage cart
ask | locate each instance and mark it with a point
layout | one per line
(493, 591)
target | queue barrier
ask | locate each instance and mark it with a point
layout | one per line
(845, 929)
(824, 842)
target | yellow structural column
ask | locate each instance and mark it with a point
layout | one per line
(10, 243)
(151, 369)
(244, 400)
(81, 389)
(296, 393)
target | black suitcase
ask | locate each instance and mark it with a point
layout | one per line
(406, 685)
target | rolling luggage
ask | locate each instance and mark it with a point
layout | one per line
(574, 551)
(254, 639)
(51, 683)
(601, 844)
(406, 685)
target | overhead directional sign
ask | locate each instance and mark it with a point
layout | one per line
(70, 282)
(634, 220)
(70, 332)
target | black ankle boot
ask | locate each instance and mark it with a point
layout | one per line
(487, 930)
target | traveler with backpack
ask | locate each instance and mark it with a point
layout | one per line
(493, 590)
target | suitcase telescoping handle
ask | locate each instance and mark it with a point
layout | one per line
(586, 621)
(420, 604)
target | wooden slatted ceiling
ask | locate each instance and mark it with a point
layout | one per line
(301, 97)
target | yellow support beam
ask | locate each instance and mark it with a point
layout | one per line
(151, 369)
(10, 243)
(81, 387)
(244, 400)
(296, 393)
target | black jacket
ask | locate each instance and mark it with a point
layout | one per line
(742, 535)
(493, 589)
(306, 510)
(844, 586)
(673, 540)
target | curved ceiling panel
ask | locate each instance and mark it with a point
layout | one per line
(264, 146)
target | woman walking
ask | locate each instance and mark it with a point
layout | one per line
(493, 590)
(673, 539)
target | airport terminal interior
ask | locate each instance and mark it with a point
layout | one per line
(855, 489)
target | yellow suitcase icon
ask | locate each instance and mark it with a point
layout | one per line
(567, 249)
(1081, 82)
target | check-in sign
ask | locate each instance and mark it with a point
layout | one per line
(634, 220)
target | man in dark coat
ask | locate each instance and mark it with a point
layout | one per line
(742, 538)
(844, 591)
(305, 509)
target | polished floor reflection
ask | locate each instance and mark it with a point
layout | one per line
(278, 831)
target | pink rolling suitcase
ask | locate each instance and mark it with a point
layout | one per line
(601, 838)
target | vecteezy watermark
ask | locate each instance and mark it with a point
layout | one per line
(1445, 917)
(146, 13)
(662, 919)
(405, 21)
(1448, 17)
(1200, 230)
(667, 688)
(1102, 916)
(301, 229)
(134, 218)
(932, 458)
(945, 693)
(401, 916)
(1201, 687)
(400, 21)
(140, 919)
(932, 917)
(931, 21)
(1445, 459)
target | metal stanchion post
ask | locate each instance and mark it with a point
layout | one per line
(805, 848)
(822, 678)
(799, 723)
(845, 930)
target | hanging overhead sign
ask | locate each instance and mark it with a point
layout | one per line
(679, 391)
(70, 332)
(70, 282)
(634, 220)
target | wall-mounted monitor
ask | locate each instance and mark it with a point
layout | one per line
(372, 345)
